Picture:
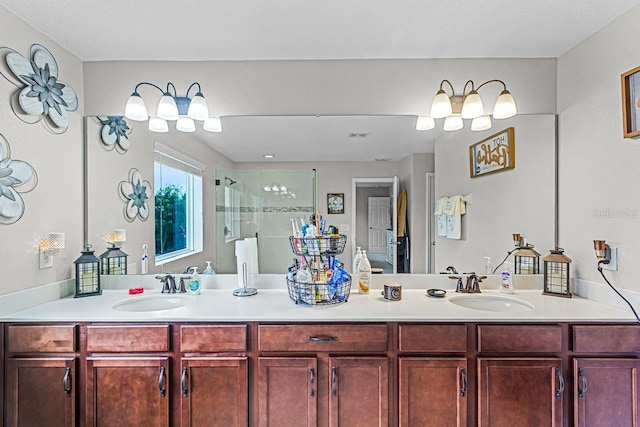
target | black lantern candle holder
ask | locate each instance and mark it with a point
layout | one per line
(556, 274)
(113, 261)
(527, 261)
(87, 274)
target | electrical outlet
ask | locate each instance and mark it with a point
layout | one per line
(613, 260)
(46, 260)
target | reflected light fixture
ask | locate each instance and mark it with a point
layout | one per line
(171, 107)
(468, 105)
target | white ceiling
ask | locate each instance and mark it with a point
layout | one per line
(304, 29)
(311, 29)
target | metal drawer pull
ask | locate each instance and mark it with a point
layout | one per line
(463, 375)
(312, 378)
(66, 384)
(323, 338)
(161, 382)
(585, 385)
(334, 379)
(561, 382)
(183, 382)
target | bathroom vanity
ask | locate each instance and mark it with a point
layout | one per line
(263, 361)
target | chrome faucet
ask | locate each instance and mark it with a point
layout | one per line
(168, 283)
(450, 269)
(188, 269)
(473, 283)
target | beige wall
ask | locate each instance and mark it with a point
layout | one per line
(599, 169)
(56, 203)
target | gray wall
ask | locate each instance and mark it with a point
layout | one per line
(55, 205)
(599, 169)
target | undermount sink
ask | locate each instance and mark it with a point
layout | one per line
(153, 303)
(491, 303)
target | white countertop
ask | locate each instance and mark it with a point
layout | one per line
(272, 304)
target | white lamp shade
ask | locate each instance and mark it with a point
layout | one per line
(283, 188)
(453, 122)
(481, 123)
(156, 124)
(441, 106)
(505, 106)
(472, 106)
(425, 122)
(118, 235)
(198, 109)
(167, 108)
(267, 188)
(135, 108)
(212, 124)
(186, 124)
(56, 241)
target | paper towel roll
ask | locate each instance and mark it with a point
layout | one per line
(252, 247)
(246, 254)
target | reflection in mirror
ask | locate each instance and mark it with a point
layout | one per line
(260, 204)
(516, 201)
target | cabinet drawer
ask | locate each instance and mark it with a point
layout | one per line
(606, 339)
(520, 338)
(433, 338)
(211, 338)
(322, 337)
(41, 339)
(114, 339)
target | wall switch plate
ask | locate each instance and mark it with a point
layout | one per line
(46, 260)
(613, 260)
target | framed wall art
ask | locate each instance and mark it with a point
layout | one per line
(493, 154)
(335, 203)
(630, 82)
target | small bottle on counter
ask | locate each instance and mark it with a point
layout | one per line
(194, 282)
(506, 287)
(364, 274)
(356, 260)
(209, 269)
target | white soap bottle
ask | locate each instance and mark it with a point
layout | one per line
(356, 260)
(194, 282)
(209, 269)
(506, 286)
(364, 274)
(488, 268)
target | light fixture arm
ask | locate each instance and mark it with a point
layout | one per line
(150, 84)
(504, 86)
(192, 85)
(464, 89)
(453, 92)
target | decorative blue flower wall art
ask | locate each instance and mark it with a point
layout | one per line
(16, 177)
(39, 94)
(114, 133)
(134, 192)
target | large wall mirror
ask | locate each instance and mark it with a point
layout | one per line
(234, 203)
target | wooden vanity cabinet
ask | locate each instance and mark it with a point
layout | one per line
(317, 375)
(40, 384)
(214, 387)
(128, 375)
(433, 381)
(606, 387)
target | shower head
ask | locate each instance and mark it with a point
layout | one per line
(231, 181)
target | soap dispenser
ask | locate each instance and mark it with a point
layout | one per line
(488, 268)
(209, 269)
(194, 282)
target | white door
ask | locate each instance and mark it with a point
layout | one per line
(379, 221)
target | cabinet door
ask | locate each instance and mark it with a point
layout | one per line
(359, 391)
(606, 392)
(214, 392)
(128, 391)
(520, 392)
(41, 391)
(287, 391)
(433, 392)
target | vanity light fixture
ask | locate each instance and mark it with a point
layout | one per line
(269, 156)
(182, 109)
(468, 105)
(50, 246)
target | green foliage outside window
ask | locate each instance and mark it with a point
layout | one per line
(171, 219)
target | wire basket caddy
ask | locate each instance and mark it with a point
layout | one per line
(319, 293)
(323, 245)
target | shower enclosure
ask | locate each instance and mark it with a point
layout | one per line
(260, 204)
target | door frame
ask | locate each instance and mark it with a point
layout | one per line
(392, 182)
(430, 261)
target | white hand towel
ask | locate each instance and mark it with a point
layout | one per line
(454, 210)
(441, 219)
